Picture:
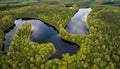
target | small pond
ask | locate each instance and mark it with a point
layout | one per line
(77, 25)
(42, 33)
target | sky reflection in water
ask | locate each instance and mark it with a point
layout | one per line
(42, 33)
(77, 25)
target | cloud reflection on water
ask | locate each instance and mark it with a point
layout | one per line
(77, 25)
(41, 33)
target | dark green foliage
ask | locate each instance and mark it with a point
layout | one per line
(98, 50)
(7, 6)
(1, 39)
(68, 4)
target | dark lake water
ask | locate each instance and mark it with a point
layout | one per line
(77, 25)
(42, 33)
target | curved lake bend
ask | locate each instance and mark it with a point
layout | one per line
(42, 33)
(77, 25)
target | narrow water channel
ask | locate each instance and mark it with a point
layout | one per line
(77, 25)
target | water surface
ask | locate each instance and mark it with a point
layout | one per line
(77, 25)
(42, 33)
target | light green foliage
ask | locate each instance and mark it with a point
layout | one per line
(56, 15)
(25, 54)
(106, 23)
(6, 22)
(98, 50)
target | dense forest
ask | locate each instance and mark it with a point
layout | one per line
(63, 0)
(98, 50)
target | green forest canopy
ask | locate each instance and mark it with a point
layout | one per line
(63, 0)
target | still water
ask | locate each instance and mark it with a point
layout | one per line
(77, 25)
(42, 33)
